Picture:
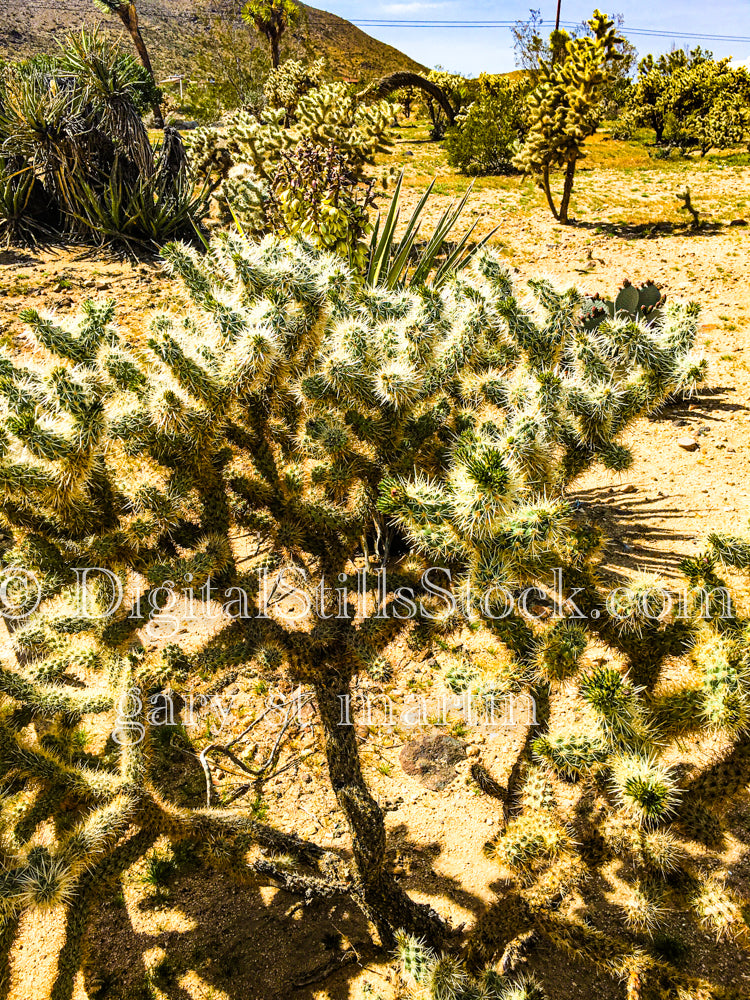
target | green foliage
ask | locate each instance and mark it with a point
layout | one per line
(413, 262)
(76, 157)
(693, 101)
(566, 106)
(456, 90)
(228, 64)
(488, 131)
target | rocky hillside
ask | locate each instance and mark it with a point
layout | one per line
(173, 29)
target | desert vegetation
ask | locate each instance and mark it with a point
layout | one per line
(327, 668)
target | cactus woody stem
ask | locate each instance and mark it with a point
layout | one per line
(379, 895)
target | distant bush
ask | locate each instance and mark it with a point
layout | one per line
(487, 133)
(456, 90)
(75, 156)
(693, 101)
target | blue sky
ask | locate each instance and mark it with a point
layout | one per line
(471, 51)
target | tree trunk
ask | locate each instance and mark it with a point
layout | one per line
(381, 898)
(570, 171)
(129, 17)
(274, 50)
(396, 81)
(548, 192)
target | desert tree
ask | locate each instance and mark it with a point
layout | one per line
(128, 14)
(272, 18)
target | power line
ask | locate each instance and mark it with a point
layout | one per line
(483, 25)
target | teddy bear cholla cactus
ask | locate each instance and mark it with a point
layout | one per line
(279, 406)
(566, 106)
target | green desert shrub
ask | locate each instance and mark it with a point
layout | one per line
(692, 101)
(489, 131)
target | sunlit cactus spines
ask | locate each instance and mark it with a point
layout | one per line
(531, 841)
(571, 754)
(645, 788)
(343, 428)
(719, 909)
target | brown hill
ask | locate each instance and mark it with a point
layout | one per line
(173, 29)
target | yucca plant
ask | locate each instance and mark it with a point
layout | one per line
(75, 156)
(18, 189)
(400, 262)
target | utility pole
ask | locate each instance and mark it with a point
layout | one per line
(557, 19)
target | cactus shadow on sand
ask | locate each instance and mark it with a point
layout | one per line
(649, 230)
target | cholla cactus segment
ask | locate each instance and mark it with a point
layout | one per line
(645, 788)
(417, 960)
(730, 549)
(645, 909)
(725, 683)
(619, 709)
(573, 754)
(531, 841)
(460, 676)
(560, 649)
(719, 909)
(527, 988)
(537, 792)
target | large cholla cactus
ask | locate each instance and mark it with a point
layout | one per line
(320, 416)
(305, 165)
(566, 106)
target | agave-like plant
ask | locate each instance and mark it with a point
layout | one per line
(409, 262)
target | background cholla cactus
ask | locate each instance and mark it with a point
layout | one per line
(320, 416)
(566, 105)
(310, 153)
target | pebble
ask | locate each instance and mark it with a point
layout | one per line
(688, 444)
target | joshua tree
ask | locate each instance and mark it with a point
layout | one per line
(566, 106)
(272, 18)
(129, 16)
(326, 420)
